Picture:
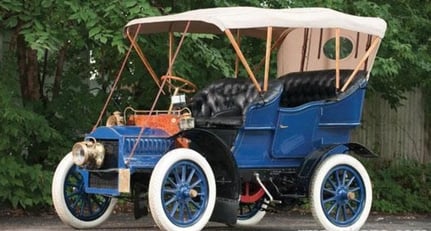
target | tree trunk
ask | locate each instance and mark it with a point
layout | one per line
(28, 71)
(59, 71)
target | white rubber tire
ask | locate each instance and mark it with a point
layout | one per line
(157, 180)
(254, 220)
(316, 186)
(59, 201)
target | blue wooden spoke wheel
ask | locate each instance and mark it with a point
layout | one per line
(74, 206)
(182, 191)
(341, 193)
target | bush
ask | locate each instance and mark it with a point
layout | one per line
(22, 185)
(401, 187)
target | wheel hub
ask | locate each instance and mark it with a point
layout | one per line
(343, 195)
(183, 192)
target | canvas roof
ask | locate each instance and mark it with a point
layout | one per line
(253, 21)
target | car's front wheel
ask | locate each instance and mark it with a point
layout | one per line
(73, 205)
(182, 191)
(341, 193)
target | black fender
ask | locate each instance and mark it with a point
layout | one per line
(312, 160)
(225, 170)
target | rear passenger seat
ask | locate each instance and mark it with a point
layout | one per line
(304, 87)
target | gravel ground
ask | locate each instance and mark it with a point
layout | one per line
(287, 222)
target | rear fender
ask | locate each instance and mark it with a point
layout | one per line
(311, 161)
(225, 170)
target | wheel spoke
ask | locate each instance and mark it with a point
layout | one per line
(247, 189)
(196, 183)
(177, 176)
(338, 213)
(344, 213)
(344, 177)
(183, 173)
(189, 212)
(181, 211)
(89, 205)
(329, 191)
(351, 208)
(174, 198)
(196, 205)
(169, 191)
(174, 209)
(169, 179)
(81, 209)
(97, 201)
(241, 209)
(73, 194)
(75, 203)
(329, 200)
(332, 183)
(332, 208)
(355, 189)
(192, 173)
(351, 181)
(356, 200)
(337, 176)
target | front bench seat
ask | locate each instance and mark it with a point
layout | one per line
(225, 102)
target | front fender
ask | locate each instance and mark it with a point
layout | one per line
(225, 170)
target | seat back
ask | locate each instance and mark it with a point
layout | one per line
(226, 96)
(304, 87)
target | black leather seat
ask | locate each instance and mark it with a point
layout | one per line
(304, 87)
(224, 102)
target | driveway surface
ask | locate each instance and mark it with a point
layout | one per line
(296, 222)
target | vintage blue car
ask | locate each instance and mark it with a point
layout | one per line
(242, 145)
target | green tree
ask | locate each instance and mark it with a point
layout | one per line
(52, 48)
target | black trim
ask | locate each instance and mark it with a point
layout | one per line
(225, 169)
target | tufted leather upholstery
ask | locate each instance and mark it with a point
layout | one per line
(303, 87)
(226, 101)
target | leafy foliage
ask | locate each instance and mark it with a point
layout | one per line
(24, 185)
(71, 41)
(396, 183)
(25, 146)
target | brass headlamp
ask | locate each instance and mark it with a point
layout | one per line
(89, 154)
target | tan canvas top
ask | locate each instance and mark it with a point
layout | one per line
(252, 21)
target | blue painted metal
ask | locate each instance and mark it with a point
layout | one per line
(180, 207)
(152, 144)
(343, 195)
(314, 158)
(273, 136)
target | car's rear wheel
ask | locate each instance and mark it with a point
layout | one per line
(252, 204)
(341, 193)
(182, 191)
(73, 205)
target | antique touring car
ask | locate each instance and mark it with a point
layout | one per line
(241, 146)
